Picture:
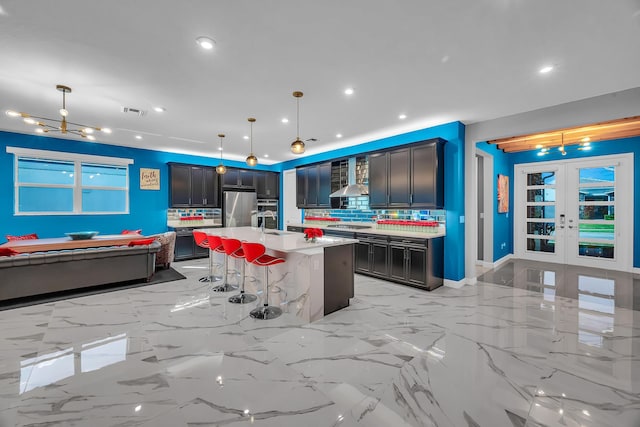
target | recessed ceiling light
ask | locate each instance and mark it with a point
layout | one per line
(266, 155)
(12, 113)
(402, 116)
(285, 120)
(39, 130)
(205, 42)
(159, 109)
(245, 137)
(138, 136)
(348, 91)
(338, 135)
(91, 137)
(546, 69)
(106, 130)
(219, 148)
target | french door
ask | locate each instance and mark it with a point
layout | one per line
(576, 212)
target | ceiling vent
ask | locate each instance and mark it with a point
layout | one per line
(135, 111)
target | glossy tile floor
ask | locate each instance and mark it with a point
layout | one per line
(545, 346)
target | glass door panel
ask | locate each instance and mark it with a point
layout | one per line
(540, 212)
(596, 237)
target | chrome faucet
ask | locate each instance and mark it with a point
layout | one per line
(263, 215)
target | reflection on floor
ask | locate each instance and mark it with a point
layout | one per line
(557, 346)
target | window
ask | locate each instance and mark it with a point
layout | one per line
(51, 182)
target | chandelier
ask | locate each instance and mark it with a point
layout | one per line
(46, 125)
(251, 160)
(297, 146)
(221, 168)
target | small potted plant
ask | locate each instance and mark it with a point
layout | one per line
(312, 234)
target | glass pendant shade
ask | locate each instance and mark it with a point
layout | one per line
(297, 147)
(252, 160)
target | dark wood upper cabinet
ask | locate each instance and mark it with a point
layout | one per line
(193, 186)
(408, 177)
(231, 178)
(399, 178)
(267, 184)
(324, 185)
(180, 193)
(427, 184)
(247, 178)
(378, 172)
(313, 186)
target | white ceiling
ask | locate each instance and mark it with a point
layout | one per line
(436, 61)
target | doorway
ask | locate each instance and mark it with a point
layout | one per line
(485, 190)
(567, 211)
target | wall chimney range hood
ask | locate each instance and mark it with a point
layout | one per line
(352, 189)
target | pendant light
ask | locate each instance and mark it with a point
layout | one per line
(297, 146)
(562, 150)
(251, 160)
(221, 168)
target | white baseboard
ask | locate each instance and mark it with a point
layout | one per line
(472, 281)
(636, 270)
(502, 260)
(454, 284)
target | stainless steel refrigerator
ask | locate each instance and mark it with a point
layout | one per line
(240, 209)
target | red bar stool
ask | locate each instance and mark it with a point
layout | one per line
(215, 242)
(255, 254)
(200, 237)
(233, 248)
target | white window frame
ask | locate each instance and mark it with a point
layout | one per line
(78, 160)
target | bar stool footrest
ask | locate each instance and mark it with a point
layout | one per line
(224, 288)
(242, 298)
(265, 312)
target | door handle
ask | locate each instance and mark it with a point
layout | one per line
(570, 223)
(561, 224)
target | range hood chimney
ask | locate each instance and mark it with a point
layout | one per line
(352, 189)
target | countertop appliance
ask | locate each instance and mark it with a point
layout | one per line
(240, 209)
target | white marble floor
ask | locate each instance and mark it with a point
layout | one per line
(487, 355)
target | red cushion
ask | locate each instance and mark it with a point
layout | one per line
(138, 231)
(8, 252)
(142, 242)
(32, 236)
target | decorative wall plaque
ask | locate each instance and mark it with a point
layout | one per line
(149, 179)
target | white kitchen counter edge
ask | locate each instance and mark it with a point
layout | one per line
(373, 230)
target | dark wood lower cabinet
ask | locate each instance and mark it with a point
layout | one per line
(414, 262)
(372, 256)
(186, 247)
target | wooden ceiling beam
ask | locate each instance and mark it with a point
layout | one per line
(613, 129)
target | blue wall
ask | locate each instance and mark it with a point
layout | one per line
(453, 133)
(506, 162)
(148, 208)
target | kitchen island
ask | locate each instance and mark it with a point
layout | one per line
(316, 279)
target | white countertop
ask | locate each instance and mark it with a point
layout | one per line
(374, 230)
(278, 240)
(174, 223)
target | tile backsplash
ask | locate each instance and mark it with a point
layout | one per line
(372, 215)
